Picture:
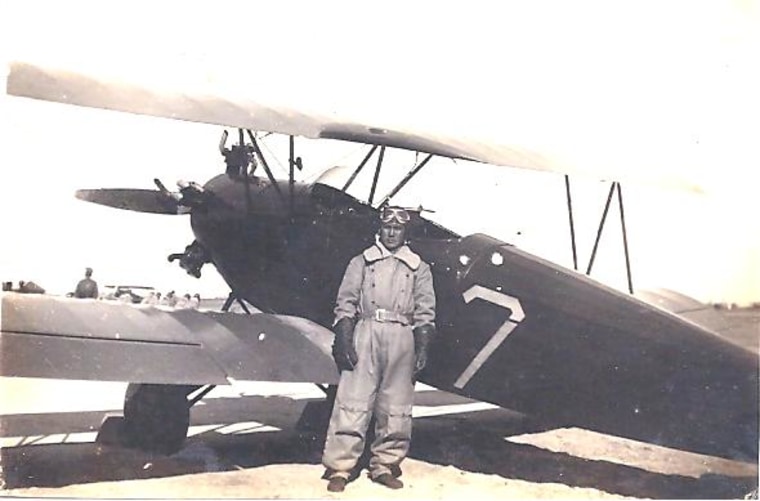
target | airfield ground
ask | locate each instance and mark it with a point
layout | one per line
(244, 443)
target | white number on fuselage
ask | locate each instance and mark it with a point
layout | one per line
(498, 337)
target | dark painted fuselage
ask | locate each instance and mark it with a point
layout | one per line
(514, 330)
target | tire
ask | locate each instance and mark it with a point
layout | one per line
(156, 417)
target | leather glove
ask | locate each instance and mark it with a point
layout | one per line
(422, 336)
(343, 349)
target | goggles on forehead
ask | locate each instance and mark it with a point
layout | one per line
(389, 214)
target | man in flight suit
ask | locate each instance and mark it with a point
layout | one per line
(384, 320)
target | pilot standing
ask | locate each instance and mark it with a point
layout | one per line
(384, 320)
(87, 287)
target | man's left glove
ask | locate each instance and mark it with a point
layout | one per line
(422, 336)
(343, 349)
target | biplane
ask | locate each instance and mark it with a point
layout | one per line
(515, 330)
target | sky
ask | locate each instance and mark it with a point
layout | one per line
(659, 95)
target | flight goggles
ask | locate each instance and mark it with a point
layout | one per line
(389, 214)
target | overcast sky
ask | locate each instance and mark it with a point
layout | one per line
(585, 82)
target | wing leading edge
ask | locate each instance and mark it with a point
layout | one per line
(199, 100)
(54, 337)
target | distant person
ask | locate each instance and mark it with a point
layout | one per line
(183, 303)
(195, 301)
(150, 298)
(170, 299)
(87, 287)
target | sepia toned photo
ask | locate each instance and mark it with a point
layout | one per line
(301, 250)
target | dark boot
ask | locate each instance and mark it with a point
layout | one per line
(337, 484)
(389, 481)
(396, 470)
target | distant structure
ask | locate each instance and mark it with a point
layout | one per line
(87, 287)
(29, 287)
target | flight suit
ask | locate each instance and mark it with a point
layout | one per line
(388, 294)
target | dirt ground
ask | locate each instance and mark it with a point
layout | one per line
(461, 448)
(245, 442)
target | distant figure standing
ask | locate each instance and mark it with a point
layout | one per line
(183, 303)
(154, 298)
(150, 298)
(170, 299)
(87, 287)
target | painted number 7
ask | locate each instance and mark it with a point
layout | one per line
(498, 337)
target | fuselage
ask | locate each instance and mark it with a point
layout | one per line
(513, 329)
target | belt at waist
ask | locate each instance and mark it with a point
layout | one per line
(388, 316)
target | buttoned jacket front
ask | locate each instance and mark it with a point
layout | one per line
(379, 279)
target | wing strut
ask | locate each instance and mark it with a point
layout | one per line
(359, 168)
(377, 174)
(572, 225)
(601, 228)
(625, 238)
(615, 186)
(263, 161)
(413, 172)
(293, 162)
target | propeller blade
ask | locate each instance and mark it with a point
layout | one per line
(152, 201)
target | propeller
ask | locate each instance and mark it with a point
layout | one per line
(161, 201)
(151, 201)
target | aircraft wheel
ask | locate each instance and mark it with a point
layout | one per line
(156, 417)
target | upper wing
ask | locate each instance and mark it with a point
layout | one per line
(199, 101)
(609, 93)
(53, 337)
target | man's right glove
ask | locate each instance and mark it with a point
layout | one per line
(343, 349)
(422, 336)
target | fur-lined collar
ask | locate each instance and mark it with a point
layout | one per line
(403, 254)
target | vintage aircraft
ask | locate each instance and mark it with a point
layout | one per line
(514, 330)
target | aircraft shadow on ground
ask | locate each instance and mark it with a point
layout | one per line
(473, 442)
(473, 447)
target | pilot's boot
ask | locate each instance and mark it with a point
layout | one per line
(337, 484)
(389, 481)
(396, 470)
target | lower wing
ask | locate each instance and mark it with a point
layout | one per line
(65, 338)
